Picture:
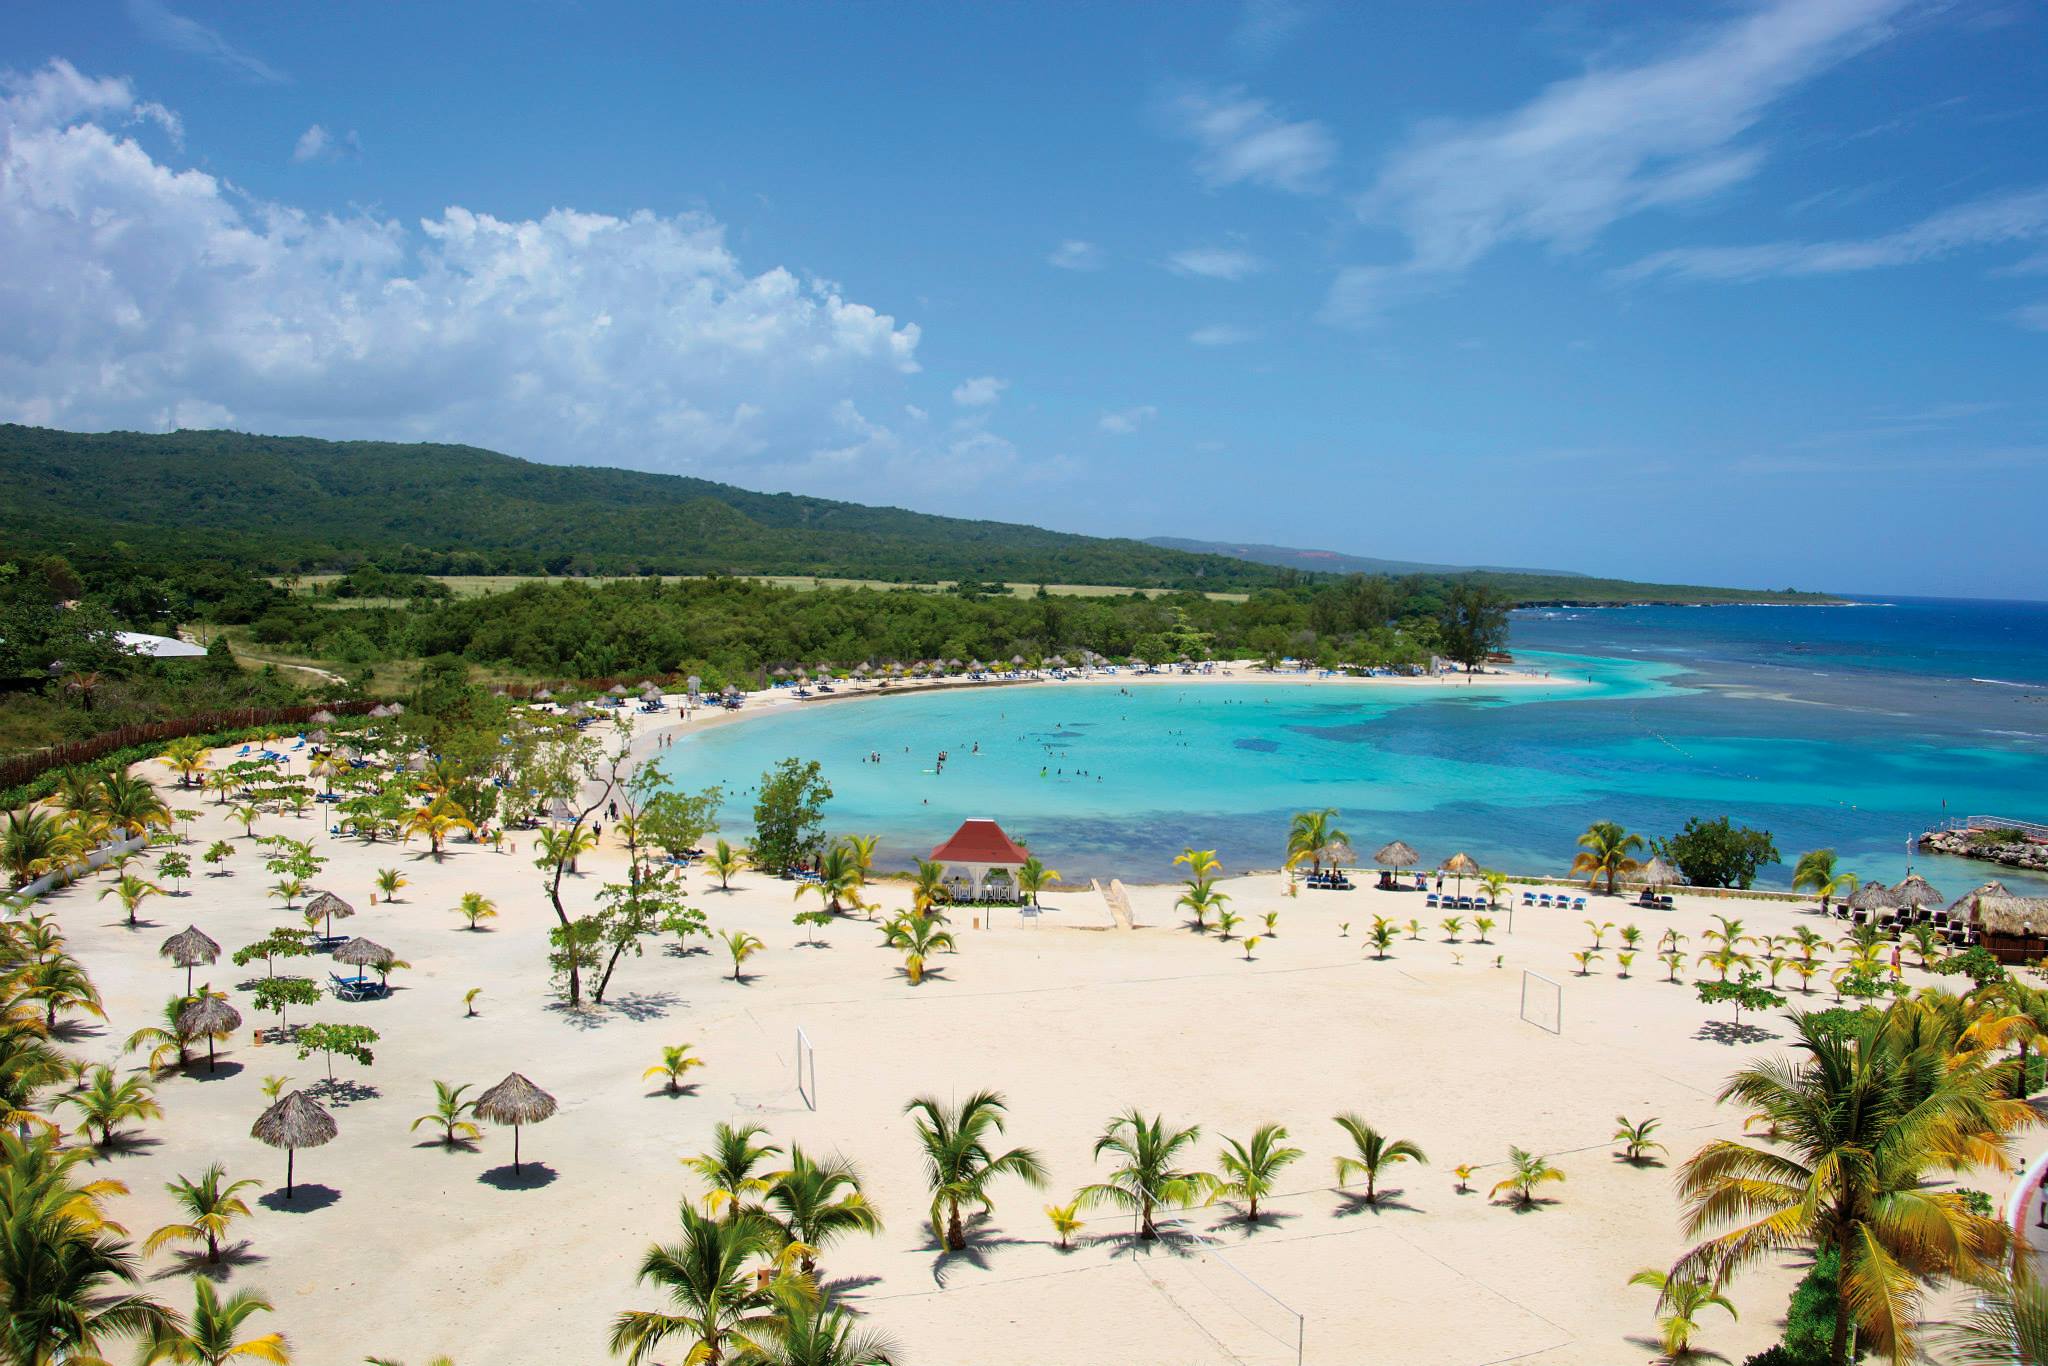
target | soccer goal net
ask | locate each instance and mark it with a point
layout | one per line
(806, 1069)
(1542, 1002)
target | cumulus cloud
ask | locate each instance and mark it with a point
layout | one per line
(1129, 420)
(1076, 255)
(1240, 139)
(980, 392)
(160, 24)
(1215, 263)
(143, 295)
(317, 144)
(1588, 151)
(1219, 334)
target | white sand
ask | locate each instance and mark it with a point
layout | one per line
(398, 1247)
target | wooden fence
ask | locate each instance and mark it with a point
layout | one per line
(22, 768)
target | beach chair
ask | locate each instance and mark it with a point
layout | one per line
(1544, 901)
(1528, 898)
(1431, 903)
(1578, 903)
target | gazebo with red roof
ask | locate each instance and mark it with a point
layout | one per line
(982, 856)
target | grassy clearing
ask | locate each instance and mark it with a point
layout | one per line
(478, 585)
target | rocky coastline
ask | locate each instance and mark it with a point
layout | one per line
(2013, 853)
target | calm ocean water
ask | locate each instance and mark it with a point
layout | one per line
(1851, 727)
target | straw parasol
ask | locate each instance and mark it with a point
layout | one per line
(293, 1123)
(617, 690)
(1461, 866)
(212, 1016)
(1872, 896)
(515, 1101)
(1397, 854)
(328, 905)
(544, 695)
(1656, 873)
(379, 712)
(190, 948)
(1916, 892)
(323, 717)
(366, 953)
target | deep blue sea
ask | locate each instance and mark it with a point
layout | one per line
(1849, 727)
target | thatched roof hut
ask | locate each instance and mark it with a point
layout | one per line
(211, 1016)
(544, 695)
(1963, 904)
(327, 905)
(617, 690)
(189, 948)
(2017, 916)
(1916, 892)
(293, 1123)
(515, 1101)
(1397, 854)
(323, 717)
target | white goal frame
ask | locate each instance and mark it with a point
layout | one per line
(806, 1069)
(1556, 996)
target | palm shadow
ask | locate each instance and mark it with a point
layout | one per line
(664, 1092)
(75, 1029)
(1351, 1204)
(193, 1262)
(1245, 1226)
(1644, 1162)
(305, 1197)
(1532, 1205)
(449, 1145)
(126, 1144)
(530, 1176)
(974, 1254)
(838, 1287)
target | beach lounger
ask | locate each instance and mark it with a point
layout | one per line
(1432, 901)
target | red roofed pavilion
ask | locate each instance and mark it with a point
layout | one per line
(978, 858)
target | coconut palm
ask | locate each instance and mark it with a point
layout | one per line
(130, 805)
(1857, 1120)
(741, 946)
(1066, 1222)
(1149, 1173)
(1201, 898)
(1680, 1302)
(1313, 837)
(1585, 958)
(170, 1042)
(2007, 1326)
(212, 1335)
(959, 1164)
(449, 1109)
(1373, 1152)
(816, 1203)
(1527, 1171)
(1034, 877)
(1635, 1139)
(1381, 936)
(729, 1168)
(1251, 1170)
(1496, 885)
(132, 891)
(389, 881)
(32, 842)
(210, 1204)
(185, 757)
(1202, 864)
(805, 1330)
(475, 907)
(724, 861)
(107, 1100)
(918, 938)
(437, 820)
(57, 982)
(928, 887)
(709, 1283)
(675, 1061)
(839, 879)
(1606, 850)
(1818, 869)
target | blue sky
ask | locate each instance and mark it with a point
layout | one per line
(1748, 294)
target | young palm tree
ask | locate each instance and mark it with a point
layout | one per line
(1453, 926)
(2008, 1325)
(1728, 933)
(1463, 1172)
(928, 887)
(185, 757)
(210, 1204)
(1857, 1121)
(1807, 941)
(1202, 864)
(1373, 1153)
(1496, 885)
(1806, 969)
(1680, 1303)
(1034, 877)
(741, 946)
(959, 1165)
(1314, 838)
(839, 879)
(724, 861)
(729, 1169)
(816, 1203)
(1606, 850)
(132, 891)
(1527, 1171)
(675, 1061)
(212, 1335)
(1251, 1170)
(437, 820)
(1201, 898)
(1599, 930)
(57, 982)
(389, 881)
(1586, 958)
(107, 1100)
(1382, 935)
(1625, 961)
(475, 907)
(1724, 959)
(449, 1109)
(918, 938)
(32, 843)
(1066, 1222)
(805, 1330)
(1484, 925)
(1149, 1175)
(169, 1043)
(131, 805)
(1818, 870)
(1635, 1139)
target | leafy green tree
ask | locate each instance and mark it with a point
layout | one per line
(1718, 853)
(789, 814)
(1473, 622)
(1743, 993)
(279, 994)
(349, 1040)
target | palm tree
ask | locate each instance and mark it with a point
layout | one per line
(2007, 1327)
(918, 937)
(1314, 837)
(1818, 870)
(32, 843)
(168, 1040)
(817, 1203)
(1605, 851)
(1250, 1170)
(212, 1336)
(106, 1100)
(1202, 898)
(185, 757)
(675, 1061)
(928, 887)
(1855, 1123)
(839, 879)
(741, 946)
(1382, 935)
(1681, 1301)
(1635, 1139)
(1034, 877)
(437, 820)
(728, 1169)
(1203, 865)
(1496, 885)
(807, 1331)
(132, 891)
(1148, 1176)
(1375, 1152)
(130, 804)
(1066, 1222)
(959, 1166)
(475, 907)
(449, 1109)
(1528, 1171)
(211, 1203)
(724, 861)
(388, 881)
(707, 1279)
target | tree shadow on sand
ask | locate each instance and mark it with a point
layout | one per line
(306, 1197)
(975, 1254)
(1729, 1033)
(342, 1091)
(1350, 1203)
(682, 1091)
(222, 1070)
(1655, 1347)
(530, 1176)
(192, 1262)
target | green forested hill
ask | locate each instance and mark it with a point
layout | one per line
(296, 503)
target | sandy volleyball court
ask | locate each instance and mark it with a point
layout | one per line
(399, 1247)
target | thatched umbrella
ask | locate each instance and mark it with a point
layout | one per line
(328, 905)
(1656, 873)
(1916, 892)
(293, 1123)
(544, 695)
(1397, 854)
(323, 717)
(515, 1101)
(694, 683)
(1967, 902)
(617, 690)
(379, 712)
(212, 1016)
(366, 953)
(398, 708)
(1872, 896)
(1460, 865)
(189, 948)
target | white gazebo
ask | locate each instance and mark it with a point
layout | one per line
(980, 858)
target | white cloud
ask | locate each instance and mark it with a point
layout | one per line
(159, 24)
(1241, 139)
(1076, 255)
(316, 144)
(1994, 220)
(1129, 420)
(142, 295)
(1215, 263)
(1598, 147)
(980, 392)
(1219, 334)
